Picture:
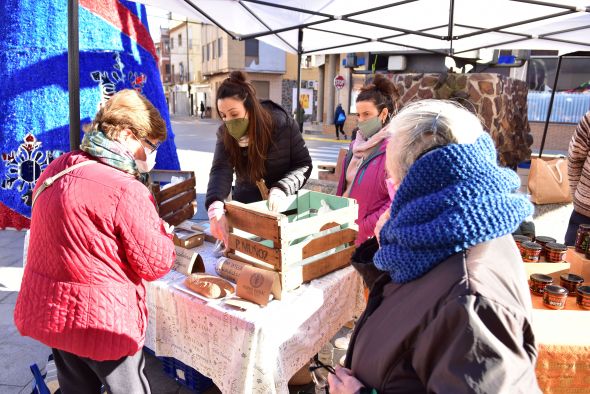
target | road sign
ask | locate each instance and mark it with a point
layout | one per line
(339, 82)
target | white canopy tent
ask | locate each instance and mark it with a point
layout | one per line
(453, 27)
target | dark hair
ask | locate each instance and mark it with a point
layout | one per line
(259, 128)
(382, 92)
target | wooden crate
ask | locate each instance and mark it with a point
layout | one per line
(176, 203)
(300, 243)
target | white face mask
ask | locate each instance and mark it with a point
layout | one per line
(146, 165)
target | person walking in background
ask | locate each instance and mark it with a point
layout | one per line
(578, 171)
(452, 311)
(258, 142)
(95, 237)
(363, 174)
(202, 108)
(339, 119)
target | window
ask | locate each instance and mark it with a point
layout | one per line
(213, 50)
(173, 76)
(179, 40)
(172, 43)
(203, 53)
(181, 72)
(251, 52)
(208, 50)
(219, 47)
(167, 68)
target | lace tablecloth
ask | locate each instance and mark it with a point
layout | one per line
(255, 351)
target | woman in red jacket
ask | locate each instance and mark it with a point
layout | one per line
(95, 237)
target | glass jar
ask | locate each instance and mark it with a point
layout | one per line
(554, 252)
(538, 283)
(542, 240)
(519, 239)
(571, 282)
(554, 297)
(583, 297)
(530, 252)
(581, 241)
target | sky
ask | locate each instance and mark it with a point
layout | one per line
(158, 17)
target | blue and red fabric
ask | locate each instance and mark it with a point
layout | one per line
(116, 52)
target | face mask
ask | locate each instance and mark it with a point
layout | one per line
(370, 127)
(391, 187)
(146, 165)
(237, 128)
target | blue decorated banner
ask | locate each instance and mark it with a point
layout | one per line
(116, 52)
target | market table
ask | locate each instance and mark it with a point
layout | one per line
(563, 339)
(255, 351)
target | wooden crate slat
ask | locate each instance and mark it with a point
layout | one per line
(256, 250)
(257, 222)
(302, 228)
(328, 242)
(178, 202)
(180, 216)
(178, 188)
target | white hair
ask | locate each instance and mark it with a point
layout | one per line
(424, 125)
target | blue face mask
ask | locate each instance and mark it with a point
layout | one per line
(370, 127)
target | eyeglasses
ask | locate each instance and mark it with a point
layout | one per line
(320, 379)
(154, 147)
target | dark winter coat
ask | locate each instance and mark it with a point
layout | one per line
(464, 327)
(288, 164)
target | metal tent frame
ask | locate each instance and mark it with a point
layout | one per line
(447, 41)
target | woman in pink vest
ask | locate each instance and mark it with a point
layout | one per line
(95, 238)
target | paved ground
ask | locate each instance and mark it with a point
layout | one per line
(195, 140)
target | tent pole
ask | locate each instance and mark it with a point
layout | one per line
(451, 21)
(550, 106)
(74, 74)
(299, 54)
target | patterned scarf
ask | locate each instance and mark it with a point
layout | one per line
(452, 198)
(111, 153)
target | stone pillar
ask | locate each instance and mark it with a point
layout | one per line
(321, 95)
(332, 61)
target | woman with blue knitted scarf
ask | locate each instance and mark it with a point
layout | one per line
(452, 311)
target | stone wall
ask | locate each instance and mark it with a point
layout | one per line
(499, 102)
(287, 98)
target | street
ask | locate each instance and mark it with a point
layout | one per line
(195, 142)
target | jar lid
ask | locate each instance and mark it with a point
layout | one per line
(571, 278)
(556, 246)
(541, 278)
(584, 226)
(521, 238)
(554, 289)
(544, 239)
(584, 290)
(531, 245)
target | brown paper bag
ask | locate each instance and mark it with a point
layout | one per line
(548, 181)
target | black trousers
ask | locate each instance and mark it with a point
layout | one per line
(82, 375)
(340, 128)
(572, 228)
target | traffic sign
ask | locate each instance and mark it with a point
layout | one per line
(339, 82)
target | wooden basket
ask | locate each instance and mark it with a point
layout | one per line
(176, 203)
(303, 242)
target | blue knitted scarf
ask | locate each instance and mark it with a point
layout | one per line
(452, 198)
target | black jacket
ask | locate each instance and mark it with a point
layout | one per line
(288, 164)
(464, 327)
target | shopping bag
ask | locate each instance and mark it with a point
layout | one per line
(548, 182)
(341, 117)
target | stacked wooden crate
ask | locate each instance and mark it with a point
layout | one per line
(177, 202)
(314, 235)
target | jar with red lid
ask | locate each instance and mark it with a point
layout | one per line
(581, 240)
(542, 240)
(554, 297)
(571, 282)
(530, 251)
(538, 283)
(554, 252)
(583, 297)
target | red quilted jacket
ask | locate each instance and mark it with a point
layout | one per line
(95, 236)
